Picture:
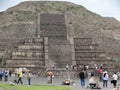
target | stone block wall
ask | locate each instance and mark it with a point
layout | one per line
(53, 26)
(29, 55)
(89, 53)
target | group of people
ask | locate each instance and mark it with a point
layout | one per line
(20, 75)
(94, 80)
(7, 73)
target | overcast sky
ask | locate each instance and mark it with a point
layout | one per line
(107, 8)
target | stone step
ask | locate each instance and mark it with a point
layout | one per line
(86, 47)
(25, 66)
(57, 41)
(25, 62)
(33, 40)
(83, 41)
(52, 32)
(89, 50)
(29, 47)
(88, 58)
(27, 54)
(53, 27)
(31, 50)
(37, 61)
(28, 58)
(92, 62)
(38, 44)
(90, 55)
(94, 59)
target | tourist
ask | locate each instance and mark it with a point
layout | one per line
(67, 67)
(74, 67)
(49, 76)
(105, 79)
(20, 78)
(95, 69)
(29, 77)
(115, 78)
(66, 82)
(82, 78)
(85, 68)
(99, 74)
(16, 72)
(10, 73)
(101, 66)
(1, 75)
(53, 67)
(92, 81)
(6, 76)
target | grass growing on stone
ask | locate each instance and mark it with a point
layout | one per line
(32, 87)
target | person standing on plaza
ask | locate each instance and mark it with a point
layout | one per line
(82, 78)
(99, 74)
(95, 69)
(10, 73)
(5, 75)
(1, 75)
(49, 76)
(20, 78)
(105, 79)
(29, 77)
(67, 67)
(115, 78)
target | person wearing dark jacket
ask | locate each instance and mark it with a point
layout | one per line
(82, 78)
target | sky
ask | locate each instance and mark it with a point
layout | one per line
(105, 8)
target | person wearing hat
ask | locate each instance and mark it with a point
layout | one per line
(105, 79)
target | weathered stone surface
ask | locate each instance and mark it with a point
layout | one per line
(87, 53)
(53, 26)
(30, 55)
(52, 47)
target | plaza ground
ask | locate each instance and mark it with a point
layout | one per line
(58, 81)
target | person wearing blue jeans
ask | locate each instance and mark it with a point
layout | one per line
(105, 79)
(105, 83)
(82, 82)
(82, 78)
(29, 77)
(29, 81)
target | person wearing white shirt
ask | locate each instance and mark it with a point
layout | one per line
(92, 81)
(105, 79)
(115, 78)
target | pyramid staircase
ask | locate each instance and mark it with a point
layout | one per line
(29, 55)
(89, 53)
